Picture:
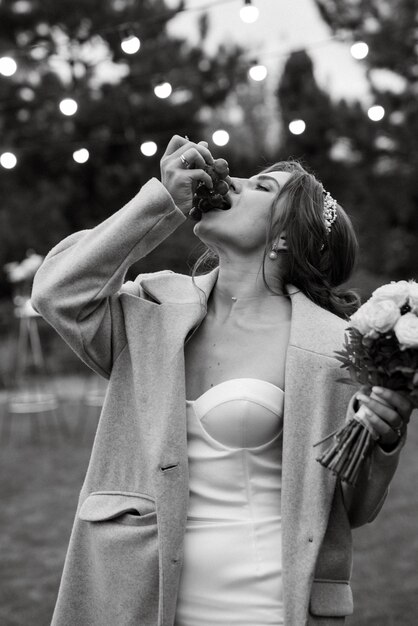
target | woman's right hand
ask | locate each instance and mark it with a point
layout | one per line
(181, 179)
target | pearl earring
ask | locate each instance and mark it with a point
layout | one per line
(273, 254)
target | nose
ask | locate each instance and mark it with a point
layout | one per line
(236, 184)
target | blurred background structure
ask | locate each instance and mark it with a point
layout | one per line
(91, 91)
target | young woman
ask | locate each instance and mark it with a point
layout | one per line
(203, 503)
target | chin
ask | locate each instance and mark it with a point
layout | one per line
(204, 230)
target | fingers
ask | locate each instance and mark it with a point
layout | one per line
(382, 411)
(200, 175)
(387, 435)
(387, 412)
(193, 156)
(197, 150)
(397, 400)
(179, 145)
(174, 144)
(386, 420)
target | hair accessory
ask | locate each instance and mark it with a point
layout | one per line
(330, 210)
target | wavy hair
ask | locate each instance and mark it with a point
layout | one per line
(317, 272)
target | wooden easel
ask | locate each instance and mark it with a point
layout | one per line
(24, 398)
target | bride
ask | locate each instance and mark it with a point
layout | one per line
(203, 502)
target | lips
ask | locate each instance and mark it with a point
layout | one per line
(208, 203)
(225, 203)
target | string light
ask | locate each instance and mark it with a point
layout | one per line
(8, 66)
(8, 160)
(359, 50)
(148, 148)
(220, 137)
(81, 156)
(297, 127)
(130, 43)
(68, 106)
(249, 13)
(257, 72)
(163, 90)
(376, 113)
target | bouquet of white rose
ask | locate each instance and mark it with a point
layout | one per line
(381, 350)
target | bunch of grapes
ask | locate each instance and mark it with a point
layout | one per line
(206, 199)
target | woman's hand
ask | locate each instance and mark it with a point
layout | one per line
(389, 417)
(181, 177)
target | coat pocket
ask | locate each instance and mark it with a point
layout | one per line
(332, 598)
(122, 507)
(117, 570)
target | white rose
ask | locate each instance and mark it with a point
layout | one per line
(360, 321)
(376, 316)
(406, 330)
(413, 296)
(396, 291)
(382, 315)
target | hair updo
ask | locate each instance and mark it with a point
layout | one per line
(316, 262)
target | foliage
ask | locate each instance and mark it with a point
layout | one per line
(387, 150)
(72, 49)
(379, 361)
(370, 167)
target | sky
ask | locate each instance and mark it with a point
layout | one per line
(283, 25)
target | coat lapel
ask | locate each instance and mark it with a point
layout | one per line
(312, 327)
(312, 410)
(170, 287)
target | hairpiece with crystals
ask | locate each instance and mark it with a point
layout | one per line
(330, 210)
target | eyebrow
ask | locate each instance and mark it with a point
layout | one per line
(269, 178)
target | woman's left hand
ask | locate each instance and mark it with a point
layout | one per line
(390, 422)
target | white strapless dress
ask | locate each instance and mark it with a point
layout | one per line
(232, 565)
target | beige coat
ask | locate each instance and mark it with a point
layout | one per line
(122, 569)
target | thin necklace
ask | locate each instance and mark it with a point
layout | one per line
(234, 299)
(275, 295)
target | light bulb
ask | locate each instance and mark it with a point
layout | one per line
(148, 148)
(297, 127)
(8, 160)
(376, 113)
(130, 44)
(68, 106)
(258, 72)
(220, 137)
(81, 156)
(8, 66)
(163, 90)
(249, 13)
(359, 50)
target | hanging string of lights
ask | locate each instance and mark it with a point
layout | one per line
(131, 44)
(162, 84)
(128, 31)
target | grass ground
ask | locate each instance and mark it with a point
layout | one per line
(39, 484)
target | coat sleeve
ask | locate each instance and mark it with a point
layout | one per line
(77, 288)
(366, 498)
